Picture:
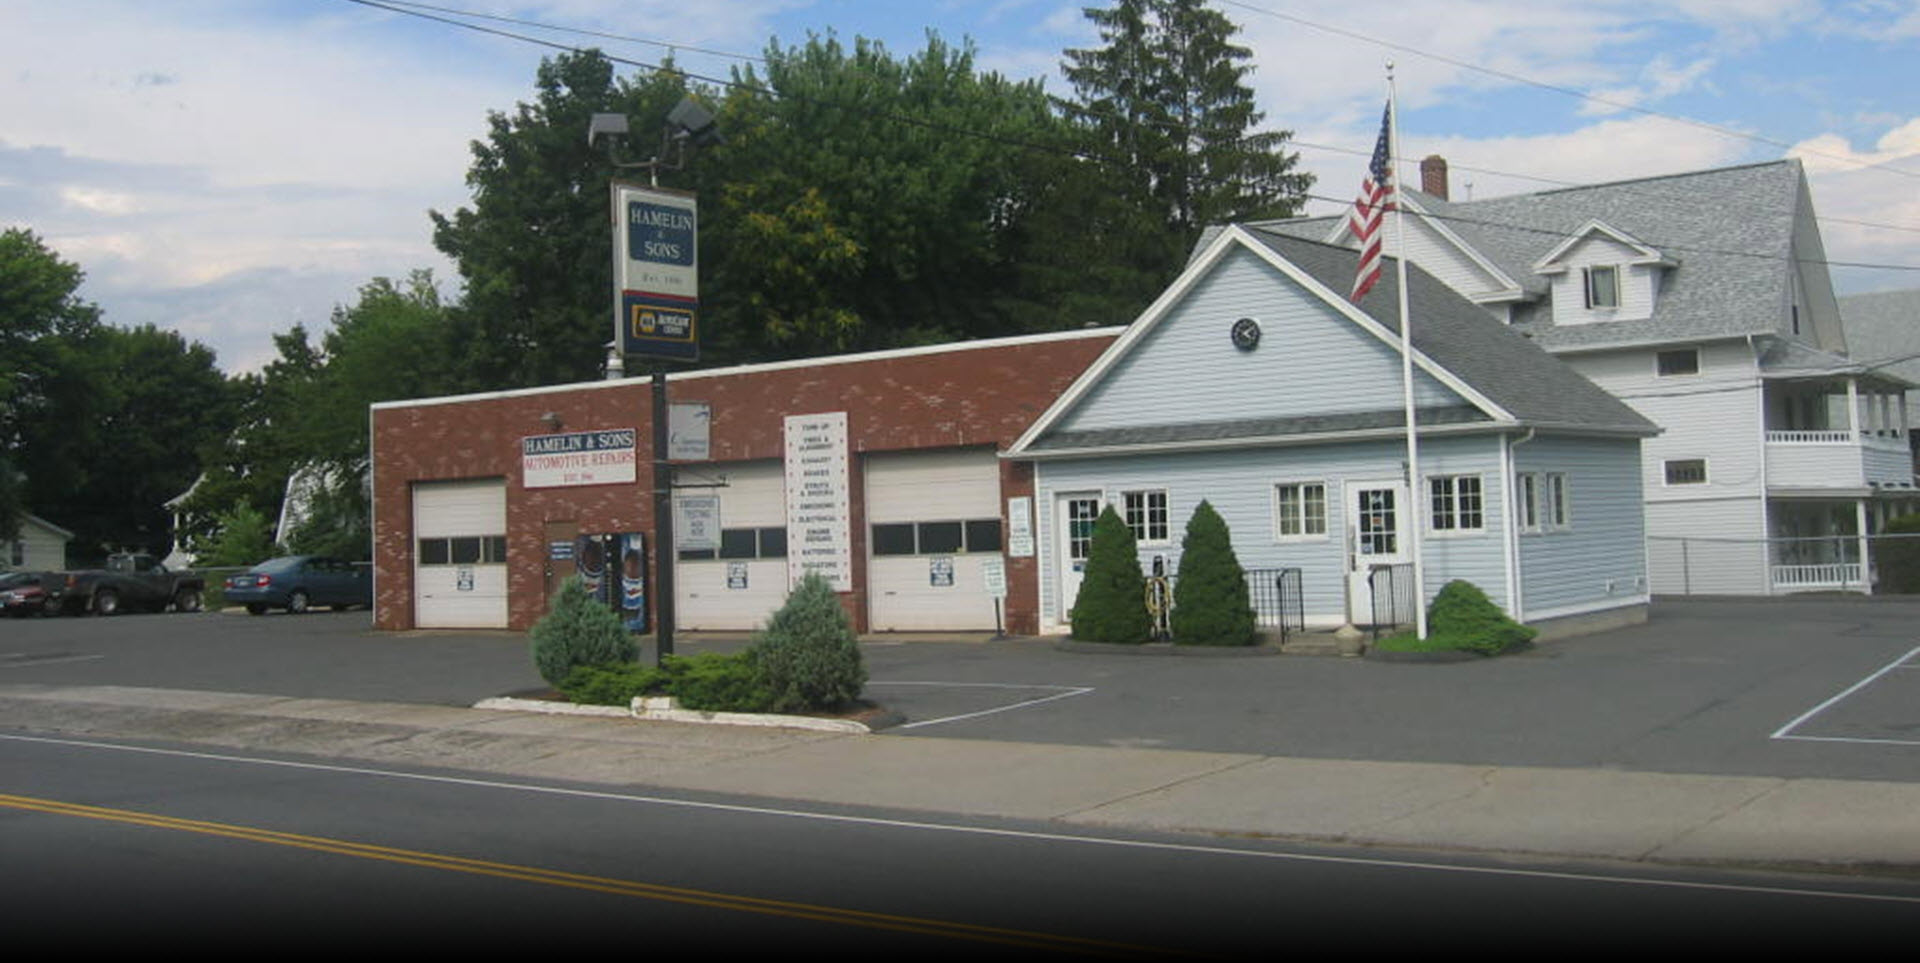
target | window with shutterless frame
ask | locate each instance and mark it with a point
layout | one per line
(951, 537)
(1602, 284)
(1300, 510)
(1457, 503)
(1145, 512)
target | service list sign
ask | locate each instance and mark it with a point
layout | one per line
(657, 271)
(579, 458)
(819, 510)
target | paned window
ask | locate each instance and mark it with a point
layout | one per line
(1300, 510)
(1146, 513)
(937, 538)
(766, 542)
(1458, 503)
(1541, 501)
(464, 550)
(1687, 471)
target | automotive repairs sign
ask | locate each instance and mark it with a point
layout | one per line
(579, 458)
(656, 269)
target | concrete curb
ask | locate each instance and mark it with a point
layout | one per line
(664, 709)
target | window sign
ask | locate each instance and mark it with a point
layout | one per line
(940, 571)
(696, 522)
(1020, 527)
(736, 575)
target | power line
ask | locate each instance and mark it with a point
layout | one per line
(400, 7)
(1555, 88)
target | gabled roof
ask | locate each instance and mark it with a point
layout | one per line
(1508, 381)
(1551, 263)
(47, 525)
(1730, 230)
(1883, 330)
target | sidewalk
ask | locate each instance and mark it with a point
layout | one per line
(1869, 827)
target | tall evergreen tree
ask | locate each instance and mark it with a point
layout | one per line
(1166, 96)
(1210, 599)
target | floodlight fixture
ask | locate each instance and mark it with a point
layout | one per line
(611, 125)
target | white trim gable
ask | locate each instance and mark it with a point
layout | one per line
(1231, 240)
(1644, 254)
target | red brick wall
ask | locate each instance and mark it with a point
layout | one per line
(982, 396)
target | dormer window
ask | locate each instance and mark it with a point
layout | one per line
(1603, 286)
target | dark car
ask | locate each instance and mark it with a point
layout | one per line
(300, 582)
(28, 593)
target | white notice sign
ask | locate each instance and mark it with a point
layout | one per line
(819, 510)
(1020, 527)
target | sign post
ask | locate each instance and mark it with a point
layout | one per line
(656, 277)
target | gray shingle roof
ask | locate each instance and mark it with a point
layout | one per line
(1717, 224)
(1882, 326)
(1500, 362)
(1536, 388)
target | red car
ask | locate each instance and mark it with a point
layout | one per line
(27, 593)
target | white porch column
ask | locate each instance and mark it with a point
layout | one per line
(1853, 409)
(1860, 525)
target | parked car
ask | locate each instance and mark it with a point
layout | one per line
(131, 580)
(300, 582)
(28, 593)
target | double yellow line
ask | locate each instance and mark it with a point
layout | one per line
(601, 884)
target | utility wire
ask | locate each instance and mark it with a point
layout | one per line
(1172, 125)
(400, 8)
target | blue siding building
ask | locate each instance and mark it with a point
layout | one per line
(1253, 384)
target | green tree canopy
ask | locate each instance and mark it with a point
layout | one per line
(1166, 96)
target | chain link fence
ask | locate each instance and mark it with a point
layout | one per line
(1869, 564)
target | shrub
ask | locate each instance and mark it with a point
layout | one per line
(719, 683)
(1210, 602)
(1462, 617)
(1112, 606)
(807, 655)
(578, 630)
(612, 685)
(1897, 560)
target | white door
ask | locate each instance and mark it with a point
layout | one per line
(933, 522)
(737, 585)
(1073, 518)
(460, 564)
(1377, 514)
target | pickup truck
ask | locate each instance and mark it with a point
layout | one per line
(131, 581)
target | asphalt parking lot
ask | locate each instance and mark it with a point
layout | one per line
(1791, 688)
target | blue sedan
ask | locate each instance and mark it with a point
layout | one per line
(297, 583)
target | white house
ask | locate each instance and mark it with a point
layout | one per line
(40, 546)
(1252, 383)
(1703, 300)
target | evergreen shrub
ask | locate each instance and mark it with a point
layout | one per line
(807, 656)
(578, 630)
(1463, 619)
(1112, 604)
(1210, 601)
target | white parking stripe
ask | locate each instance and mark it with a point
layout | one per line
(1783, 731)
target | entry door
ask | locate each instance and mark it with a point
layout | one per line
(1377, 514)
(1074, 514)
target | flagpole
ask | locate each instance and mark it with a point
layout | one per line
(1415, 496)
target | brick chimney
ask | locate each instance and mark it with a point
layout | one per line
(1433, 176)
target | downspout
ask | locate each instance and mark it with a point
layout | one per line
(1515, 597)
(1766, 506)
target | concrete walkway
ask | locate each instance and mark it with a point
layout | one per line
(1836, 825)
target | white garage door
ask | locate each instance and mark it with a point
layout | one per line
(933, 522)
(460, 554)
(738, 585)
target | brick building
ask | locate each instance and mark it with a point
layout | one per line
(484, 503)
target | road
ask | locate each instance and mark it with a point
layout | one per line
(112, 844)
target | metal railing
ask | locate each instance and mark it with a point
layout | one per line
(1274, 594)
(1394, 597)
(1277, 598)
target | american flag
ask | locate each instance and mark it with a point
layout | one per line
(1369, 212)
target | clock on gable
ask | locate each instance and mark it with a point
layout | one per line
(1246, 334)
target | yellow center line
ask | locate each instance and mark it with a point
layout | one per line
(601, 884)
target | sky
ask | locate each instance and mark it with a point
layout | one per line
(231, 168)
